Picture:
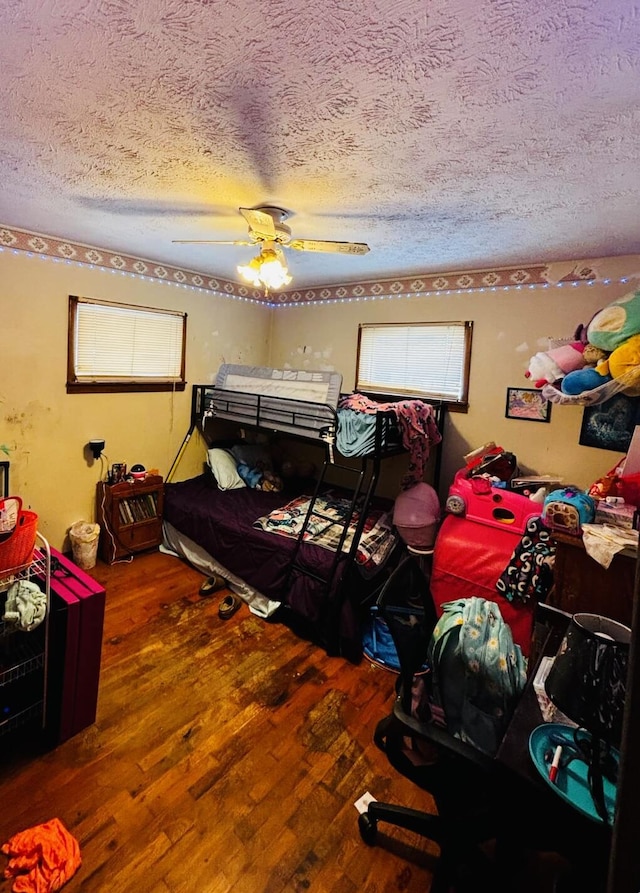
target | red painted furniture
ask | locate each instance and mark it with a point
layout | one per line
(469, 557)
(75, 646)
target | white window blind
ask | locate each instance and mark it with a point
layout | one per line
(125, 344)
(417, 359)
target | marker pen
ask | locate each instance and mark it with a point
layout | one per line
(553, 769)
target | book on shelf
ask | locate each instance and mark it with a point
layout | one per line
(135, 508)
(138, 508)
(124, 504)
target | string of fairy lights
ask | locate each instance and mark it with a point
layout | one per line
(291, 302)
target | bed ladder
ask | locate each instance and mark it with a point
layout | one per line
(366, 474)
(366, 471)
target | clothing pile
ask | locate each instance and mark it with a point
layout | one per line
(356, 430)
(42, 858)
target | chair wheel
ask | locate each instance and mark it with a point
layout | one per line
(368, 828)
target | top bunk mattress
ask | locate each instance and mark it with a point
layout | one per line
(297, 401)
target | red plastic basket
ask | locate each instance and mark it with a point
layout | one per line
(17, 545)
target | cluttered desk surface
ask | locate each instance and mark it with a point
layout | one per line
(543, 817)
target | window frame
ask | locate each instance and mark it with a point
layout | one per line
(459, 405)
(80, 384)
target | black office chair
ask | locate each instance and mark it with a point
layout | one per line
(464, 782)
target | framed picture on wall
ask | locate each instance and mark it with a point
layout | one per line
(527, 404)
(610, 425)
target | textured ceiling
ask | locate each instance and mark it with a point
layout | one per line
(447, 134)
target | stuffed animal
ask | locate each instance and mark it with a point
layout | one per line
(620, 362)
(623, 359)
(615, 323)
(590, 376)
(580, 333)
(611, 343)
(582, 380)
(593, 355)
(547, 367)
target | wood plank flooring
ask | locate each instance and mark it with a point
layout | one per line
(226, 756)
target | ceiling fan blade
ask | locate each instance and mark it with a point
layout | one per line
(152, 207)
(338, 247)
(210, 242)
(260, 223)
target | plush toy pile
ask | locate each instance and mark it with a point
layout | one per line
(606, 349)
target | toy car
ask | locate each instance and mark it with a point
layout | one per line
(477, 500)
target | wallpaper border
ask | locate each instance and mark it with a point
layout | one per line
(19, 240)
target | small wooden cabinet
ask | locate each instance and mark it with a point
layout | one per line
(582, 584)
(130, 517)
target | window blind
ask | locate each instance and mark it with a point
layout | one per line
(122, 343)
(417, 359)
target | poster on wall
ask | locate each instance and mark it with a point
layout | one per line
(610, 425)
(527, 404)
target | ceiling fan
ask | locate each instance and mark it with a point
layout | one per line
(266, 225)
(267, 229)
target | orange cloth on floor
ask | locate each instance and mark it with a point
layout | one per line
(42, 859)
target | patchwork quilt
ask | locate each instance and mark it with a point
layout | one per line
(327, 523)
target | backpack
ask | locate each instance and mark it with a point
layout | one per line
(378, 645)
(477, 673)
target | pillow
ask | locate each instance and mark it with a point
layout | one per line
(224, 469)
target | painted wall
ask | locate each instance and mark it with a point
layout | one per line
(45, 430)
(509, 327)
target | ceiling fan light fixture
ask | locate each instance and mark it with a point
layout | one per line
(251, 271)
(268, 270)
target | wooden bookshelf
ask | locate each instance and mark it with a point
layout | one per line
(130, 517)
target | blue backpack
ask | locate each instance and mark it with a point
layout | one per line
(477, 671)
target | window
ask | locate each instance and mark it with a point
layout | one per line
(416, 359)
(119, 347)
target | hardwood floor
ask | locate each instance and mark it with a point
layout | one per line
(226, 756)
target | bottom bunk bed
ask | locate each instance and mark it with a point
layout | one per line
(250, 536)
(306, 550)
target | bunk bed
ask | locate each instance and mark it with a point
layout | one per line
(311, 552)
